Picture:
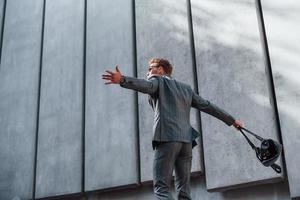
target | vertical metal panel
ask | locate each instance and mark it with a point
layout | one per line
(231, 73)
(19, 79)
(111, 129)
(162, 31)
(283, 29)
(59, 155)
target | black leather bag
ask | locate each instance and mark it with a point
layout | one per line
(268, 152)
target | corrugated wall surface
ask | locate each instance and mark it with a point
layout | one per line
(63, 133)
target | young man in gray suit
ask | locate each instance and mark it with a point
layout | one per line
(173, 136)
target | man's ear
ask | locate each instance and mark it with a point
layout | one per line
(161, 69)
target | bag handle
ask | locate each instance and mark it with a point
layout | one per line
(248, 140)
(255, 135)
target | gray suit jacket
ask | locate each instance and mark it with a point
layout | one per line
(171, 101)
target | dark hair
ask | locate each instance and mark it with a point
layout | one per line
(165, 64)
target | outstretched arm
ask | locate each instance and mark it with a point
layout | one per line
(211, 109)
(145, 86)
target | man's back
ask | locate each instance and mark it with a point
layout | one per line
(171, 104)
(171, 101)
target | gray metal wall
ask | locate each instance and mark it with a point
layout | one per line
(63, 133)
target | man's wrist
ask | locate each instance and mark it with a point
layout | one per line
(122, 80)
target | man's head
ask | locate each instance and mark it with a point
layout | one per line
(159, 66)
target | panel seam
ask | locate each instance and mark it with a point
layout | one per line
(2, 31)
(136, 94)
(38, 101)
(267, 59)
(84, 99)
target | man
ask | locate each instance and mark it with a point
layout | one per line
(173, 136)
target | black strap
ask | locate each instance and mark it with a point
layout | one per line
(255, 135)
(248, 140)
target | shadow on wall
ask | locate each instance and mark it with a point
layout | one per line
(240, 48)
(234, 50)
(286, 55)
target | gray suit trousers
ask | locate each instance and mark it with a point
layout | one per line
(169, 156)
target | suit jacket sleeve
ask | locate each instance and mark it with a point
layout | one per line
(211, 109)
(149, 86)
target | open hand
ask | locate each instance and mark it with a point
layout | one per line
(112, 77)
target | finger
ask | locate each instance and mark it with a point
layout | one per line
(110, 72)
(117, 68)
(110, 79)
(238, 128)
(107, 83)
(107, 76)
